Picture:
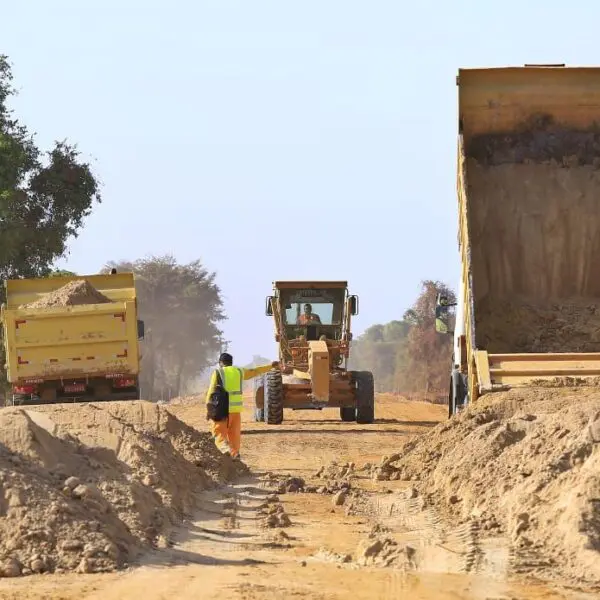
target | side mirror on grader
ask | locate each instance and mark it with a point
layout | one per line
(313, 329)
(269, 306)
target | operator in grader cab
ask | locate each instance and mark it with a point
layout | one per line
(308, 317)
(224, 402)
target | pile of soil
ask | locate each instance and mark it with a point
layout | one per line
(519, 326)
(74, 293)
(89, 487)
(521, 464)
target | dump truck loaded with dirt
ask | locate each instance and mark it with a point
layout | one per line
(529, 229)
(72, 338)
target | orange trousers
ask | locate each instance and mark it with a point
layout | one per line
(227, 433)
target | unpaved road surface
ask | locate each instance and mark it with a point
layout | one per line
(261, 533)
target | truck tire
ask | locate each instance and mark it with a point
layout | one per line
(274, 398)
(259, 389)
(365, 396)
(348, 413)
(451, 402)
(457, 396)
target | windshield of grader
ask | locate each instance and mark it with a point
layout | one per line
(313, 313)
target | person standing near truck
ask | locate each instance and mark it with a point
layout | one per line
(224, 402)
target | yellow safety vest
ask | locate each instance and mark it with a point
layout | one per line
(233, 380)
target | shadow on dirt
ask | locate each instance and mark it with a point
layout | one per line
(174, 557)
(278, 429)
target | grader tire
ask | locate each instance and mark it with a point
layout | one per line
(259, 391)
(274, 398)
(348, 413)
(365, 396)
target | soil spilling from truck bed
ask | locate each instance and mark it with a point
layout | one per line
(522, 465)
(88, 487)
(74, 293)
(535, 239)
(519, 326)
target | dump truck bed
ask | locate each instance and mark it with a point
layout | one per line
(528, 187)
(75, 341)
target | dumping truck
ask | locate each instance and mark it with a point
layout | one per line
(77, 353)
(527, 311)
(313, 329)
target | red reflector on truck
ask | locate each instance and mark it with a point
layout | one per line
(124, 355)
(21, 361)
(124, 383)
(23, 389)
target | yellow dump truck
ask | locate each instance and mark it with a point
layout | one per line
(82, 352)
(528, 304)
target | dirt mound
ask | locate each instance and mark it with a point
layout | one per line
(88, 487)
(77, 292)
(522, 465)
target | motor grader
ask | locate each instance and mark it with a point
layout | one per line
(312, 327)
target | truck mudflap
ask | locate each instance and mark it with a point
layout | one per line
(497, 372)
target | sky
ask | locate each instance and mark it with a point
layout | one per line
(274, 140)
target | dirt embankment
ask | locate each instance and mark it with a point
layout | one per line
(521, 465)
(87, 487)
(535, 239)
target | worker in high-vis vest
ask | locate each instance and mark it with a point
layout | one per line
(227, 432)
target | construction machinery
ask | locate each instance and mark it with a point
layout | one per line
(84, 352)
(313, 330)
(528, 186)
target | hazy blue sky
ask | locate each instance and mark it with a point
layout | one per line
(274, 139)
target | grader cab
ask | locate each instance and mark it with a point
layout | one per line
(312, 327)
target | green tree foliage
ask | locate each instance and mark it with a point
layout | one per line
(44, 196)
(62, 273)
(181, 307)
(408, 356)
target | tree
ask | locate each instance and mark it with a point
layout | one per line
(44, 197)
(258, 361)
(181, 307)
(407, 356)
(429, 353)
(380, 349)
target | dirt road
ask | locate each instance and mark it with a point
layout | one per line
(227, 551)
